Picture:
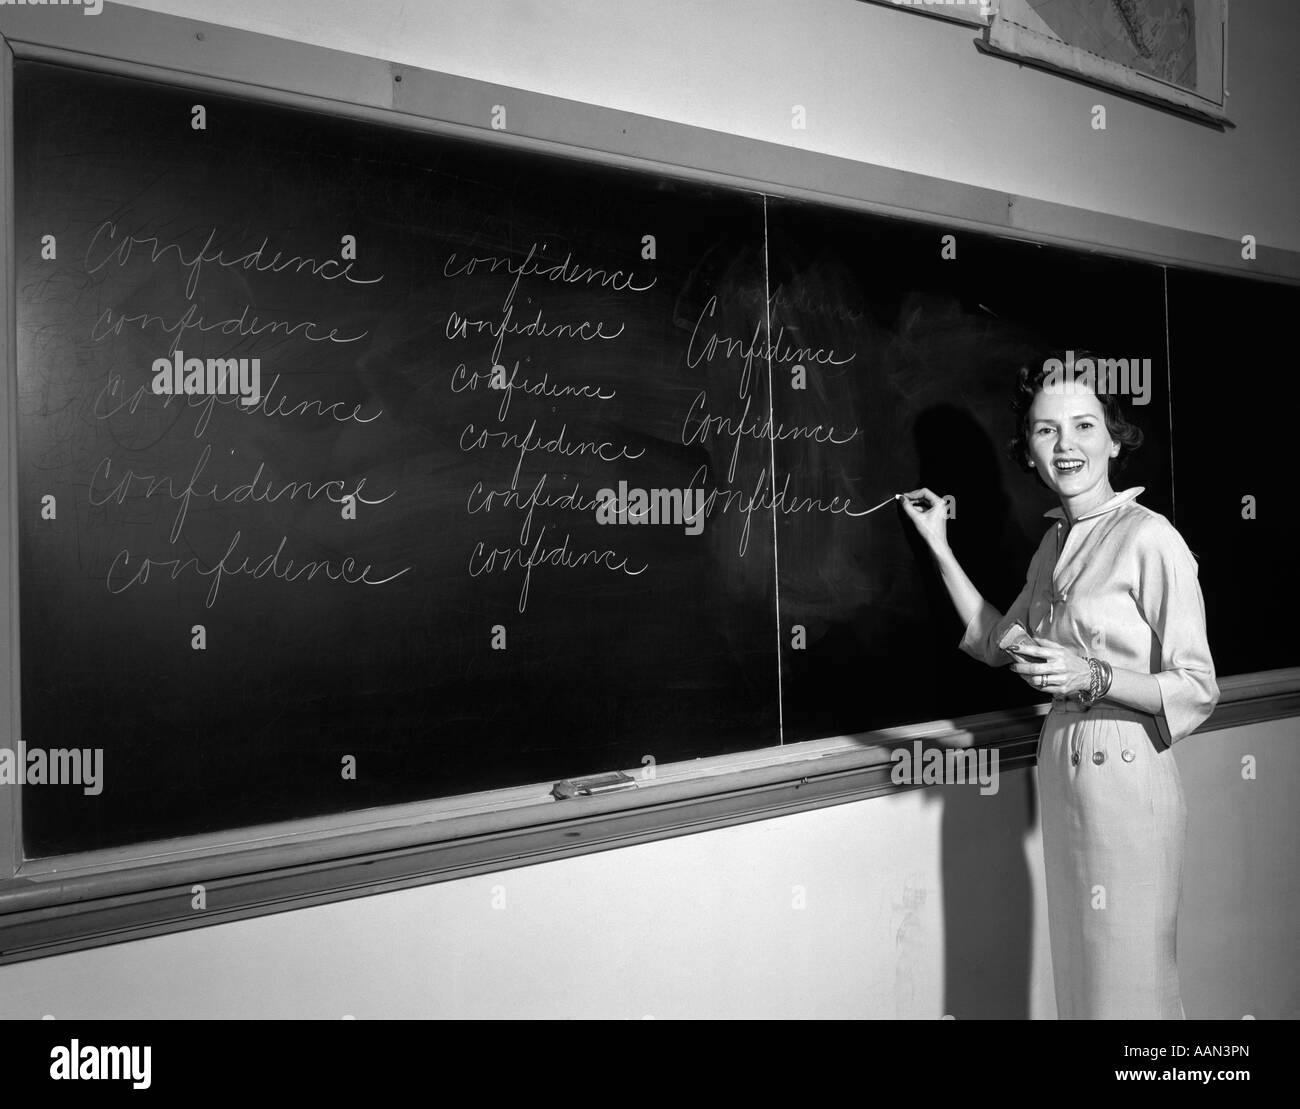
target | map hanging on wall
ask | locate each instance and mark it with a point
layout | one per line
(1171, 51)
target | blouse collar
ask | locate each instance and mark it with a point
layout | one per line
(1118, 499)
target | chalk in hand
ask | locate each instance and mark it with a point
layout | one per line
(876, 508)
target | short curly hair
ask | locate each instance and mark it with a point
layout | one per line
(1029, 383)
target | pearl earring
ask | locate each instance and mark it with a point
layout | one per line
(1032, 462)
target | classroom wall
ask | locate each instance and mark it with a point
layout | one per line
(879, 84)
(699, 926)
(914, 905)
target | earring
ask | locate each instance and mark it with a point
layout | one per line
(1032, 462)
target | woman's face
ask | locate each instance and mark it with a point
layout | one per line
(1069, 443)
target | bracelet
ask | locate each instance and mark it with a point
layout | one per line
(1109, 676)
(1085, 696)
(1089, 695)
(1100, 677)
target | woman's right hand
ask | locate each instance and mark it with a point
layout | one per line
(927, 511)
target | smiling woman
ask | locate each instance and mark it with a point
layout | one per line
(1049, 398)
(1117, 637)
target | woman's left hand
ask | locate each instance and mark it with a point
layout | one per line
(1053, 668)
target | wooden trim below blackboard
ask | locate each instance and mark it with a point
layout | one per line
(54, 905)
(71, 903)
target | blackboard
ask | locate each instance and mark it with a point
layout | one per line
(936, 342)
(1235, 391)
(450, 676)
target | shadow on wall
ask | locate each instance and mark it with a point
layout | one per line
(987, 894)
(988, 903)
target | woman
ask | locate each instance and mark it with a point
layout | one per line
(1116, 635)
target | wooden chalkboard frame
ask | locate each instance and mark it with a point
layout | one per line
(50, 906)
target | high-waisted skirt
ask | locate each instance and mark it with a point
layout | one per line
(1114, 823)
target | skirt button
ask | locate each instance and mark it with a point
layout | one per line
(1099, 757)
(1127, 755)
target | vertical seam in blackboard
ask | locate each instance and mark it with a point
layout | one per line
(11, 812)
(1169, 384)
(771, 458)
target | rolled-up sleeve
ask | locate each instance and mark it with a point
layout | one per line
(980, 639)
(1169, 596)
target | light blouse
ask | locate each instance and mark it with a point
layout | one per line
(1120, 586)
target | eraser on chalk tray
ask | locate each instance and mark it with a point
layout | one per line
(591, 784)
